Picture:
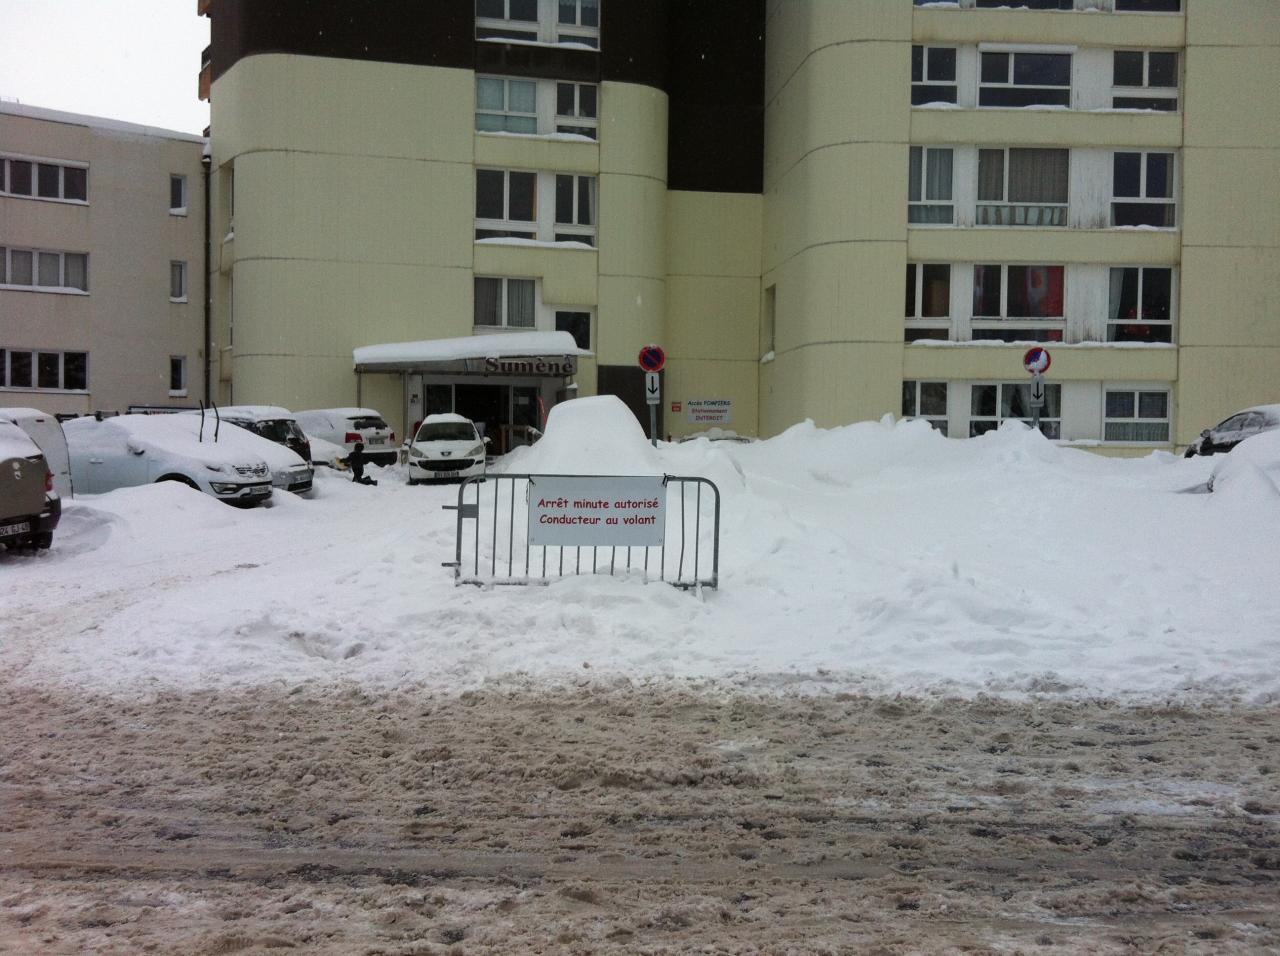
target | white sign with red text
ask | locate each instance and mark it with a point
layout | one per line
(574, 510)
(709, 411)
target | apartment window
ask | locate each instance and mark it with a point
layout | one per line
(1149, 6)
(991, 404)
(1018, 303)
(1025, 78)
(44, 271)
(1142, 190)
(507, 106)
(1140, 305)
(177, 375)
(577, 324)
(177, 282)
(928, 309)
(577, 108)
(1026, 4)
(927, 400)
(1023, 187)
(1136, 415)
(504, 198)
(507, 20)
(177, 195)
(38, 368)
(1144, 80)
(575, 209)
(43, 180)
(578, 21)
(929, 186)
(504, 303)
(933, 74)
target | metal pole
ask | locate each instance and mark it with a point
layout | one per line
(653, 424)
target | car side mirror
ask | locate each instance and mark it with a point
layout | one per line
(488, 440)
(1205, 433)
(135, 448)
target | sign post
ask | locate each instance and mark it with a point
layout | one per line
(1037, 362)
(652, 359)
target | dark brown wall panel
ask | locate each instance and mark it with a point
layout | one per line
(627, 383)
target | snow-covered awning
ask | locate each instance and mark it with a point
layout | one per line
(540, 354)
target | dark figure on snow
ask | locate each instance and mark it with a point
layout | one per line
(355, 461)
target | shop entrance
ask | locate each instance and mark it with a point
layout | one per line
(484, 405)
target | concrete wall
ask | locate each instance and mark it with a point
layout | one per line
(126, 323)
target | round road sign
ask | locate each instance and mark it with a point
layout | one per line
(652, 358)
(1036, 361)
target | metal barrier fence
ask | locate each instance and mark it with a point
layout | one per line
(493, 538)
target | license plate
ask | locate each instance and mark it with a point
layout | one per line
(21, 527)
(375, 440)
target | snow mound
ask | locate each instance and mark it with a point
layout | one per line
(590, 436)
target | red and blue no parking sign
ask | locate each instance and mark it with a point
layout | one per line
(652, 358)
(1036, 361)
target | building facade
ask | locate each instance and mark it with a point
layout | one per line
(102, 302)
(753, 185)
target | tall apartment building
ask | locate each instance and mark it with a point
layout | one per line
(102, 231)
(753, 185)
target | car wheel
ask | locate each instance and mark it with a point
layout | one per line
(414, 481)
(179, 478)
(43, 541)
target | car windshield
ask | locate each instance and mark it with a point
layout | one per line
(447, 431)
(361, 423)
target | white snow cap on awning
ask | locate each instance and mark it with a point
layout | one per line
(503, 345)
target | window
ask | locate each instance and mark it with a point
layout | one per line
(927, 400)
(576, 108)
(1018, 303)
(177, 375)
(933, 74)
(177, 282)
(577, 324)
(1142, 190)
(1144, 80)
(1136, 415)
(551, 21)
(1140, 305)
(508, 106)
(1027, 4)
(1023, 187)
(43, 180)
(1149, 6)
(989, 405)
(37, 368)
(44, 271)
(928, 301)
(504, 197)
(1023, 78)
(929, 186)
(177, 195)
(578, 21)
(575, 209)
(504, 303)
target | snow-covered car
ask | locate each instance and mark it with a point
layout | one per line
(1231, 431)
(1261, 452)
(290, 460)
(325, 452)
(29, 506)
(46, 431)
(128, 450)
(346, 426)
(446, 446)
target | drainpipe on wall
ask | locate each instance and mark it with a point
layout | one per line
(207, 162)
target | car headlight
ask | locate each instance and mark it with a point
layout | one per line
(478, 450)
(223, 488)
(416, 452)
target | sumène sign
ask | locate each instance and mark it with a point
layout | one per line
(574, 510)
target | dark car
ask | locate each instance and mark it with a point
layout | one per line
(1231, 431)
(29, 507)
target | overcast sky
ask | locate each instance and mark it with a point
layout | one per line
(133, 60)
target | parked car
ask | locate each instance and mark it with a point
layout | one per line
(129, 450)
(446, 446)
(1230, 432)
(29, 505)
(46, 431)
(346, 426)
(1258, 453)
(290, 460)
(326, 452)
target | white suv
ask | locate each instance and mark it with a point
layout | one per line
(346, 426)
(446, 446)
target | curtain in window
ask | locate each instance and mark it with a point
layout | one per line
(522, 96)
(991, 175)
(586, 205)
(20, 267)
(77, 268)
(938, 174)
(487, 296)
(1038, 175)
(520, 303)
(50, 269)
(1123, 299)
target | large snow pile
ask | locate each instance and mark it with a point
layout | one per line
(877, 557)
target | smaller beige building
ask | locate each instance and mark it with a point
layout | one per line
(102, 295)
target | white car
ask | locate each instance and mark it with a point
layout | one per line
(129, 450)
(446, 446)
(286, 449)
(346, 426)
